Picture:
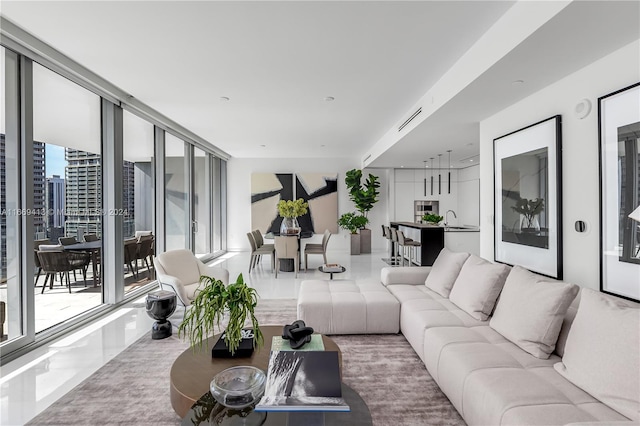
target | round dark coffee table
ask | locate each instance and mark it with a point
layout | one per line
(192, 372)
(206, 411)
(321, 269)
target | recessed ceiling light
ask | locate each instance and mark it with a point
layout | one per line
(329, 99)
(516, 82)
(224, 98)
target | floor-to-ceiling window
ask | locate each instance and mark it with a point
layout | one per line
(177, 218)
(202, 205)
(138, 200)
(10, 290)
(66, 176)
(59, 171)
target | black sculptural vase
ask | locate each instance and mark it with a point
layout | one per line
(160, 305)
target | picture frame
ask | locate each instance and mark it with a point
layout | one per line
(619, 150)
(528, 197)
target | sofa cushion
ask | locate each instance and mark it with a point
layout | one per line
(531, 309)
(419, 315)
(602, 353)
(478, 285)
(444, 271)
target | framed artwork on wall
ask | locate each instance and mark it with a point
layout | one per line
(266, 190)
(527, 196)
(619, 137)
(320, 190)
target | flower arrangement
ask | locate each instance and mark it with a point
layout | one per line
(291, 209)
(529, 209)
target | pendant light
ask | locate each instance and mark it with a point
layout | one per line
(449, 151)
(425, 177)
(439, 175)
(431, 175)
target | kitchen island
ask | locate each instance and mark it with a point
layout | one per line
(431, 238)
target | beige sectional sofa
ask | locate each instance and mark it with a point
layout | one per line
(510, 356)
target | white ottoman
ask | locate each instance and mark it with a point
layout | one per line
(347, 307)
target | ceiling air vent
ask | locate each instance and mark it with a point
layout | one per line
(408, 120)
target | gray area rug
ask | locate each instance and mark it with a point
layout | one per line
(133, 388)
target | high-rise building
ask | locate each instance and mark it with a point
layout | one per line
(83, 192)
(55, 202)
(128, 198)
(38, 199)
(83, 189)
(39, 219)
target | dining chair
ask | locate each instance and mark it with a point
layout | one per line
(257, 252)
(144, 250)
(67, 241)
(257, 235)
(54, 262)
(130, 251)
(36, 247)
(314, 248)
(80, 262)
(287, 248)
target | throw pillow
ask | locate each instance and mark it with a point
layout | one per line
(477, 287)
(602, 354)
(444, 271)
(531, 309)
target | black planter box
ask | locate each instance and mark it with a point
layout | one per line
(244, 350)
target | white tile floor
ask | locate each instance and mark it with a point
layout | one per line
(34, 381)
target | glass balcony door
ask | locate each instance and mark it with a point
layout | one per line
(202, 205)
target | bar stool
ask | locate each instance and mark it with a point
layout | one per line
(386, 232)
(395, 246)
(407, 242)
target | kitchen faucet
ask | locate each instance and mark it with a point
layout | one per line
(446, 215)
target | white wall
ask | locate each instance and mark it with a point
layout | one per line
(580, 164)
(469, 196)
(239, 172)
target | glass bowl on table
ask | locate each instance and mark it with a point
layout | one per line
(238, 387)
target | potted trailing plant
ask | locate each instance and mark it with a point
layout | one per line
(353, 222)
(214, 301)
(289, 210)
(529, 209)
(431, 218)
(364, 196)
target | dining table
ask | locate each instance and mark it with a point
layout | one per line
(93, 248)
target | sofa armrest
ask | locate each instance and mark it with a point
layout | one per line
(404, 275)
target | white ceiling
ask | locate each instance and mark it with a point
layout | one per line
(277, 61)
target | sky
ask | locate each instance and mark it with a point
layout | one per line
(55, 161)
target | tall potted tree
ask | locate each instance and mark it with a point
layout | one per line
(364, 196)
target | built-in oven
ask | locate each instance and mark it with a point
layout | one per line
(422, 207)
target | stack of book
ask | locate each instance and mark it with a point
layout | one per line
(302, 380)
(331, 267)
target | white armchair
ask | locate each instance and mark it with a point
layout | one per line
(180, 271)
